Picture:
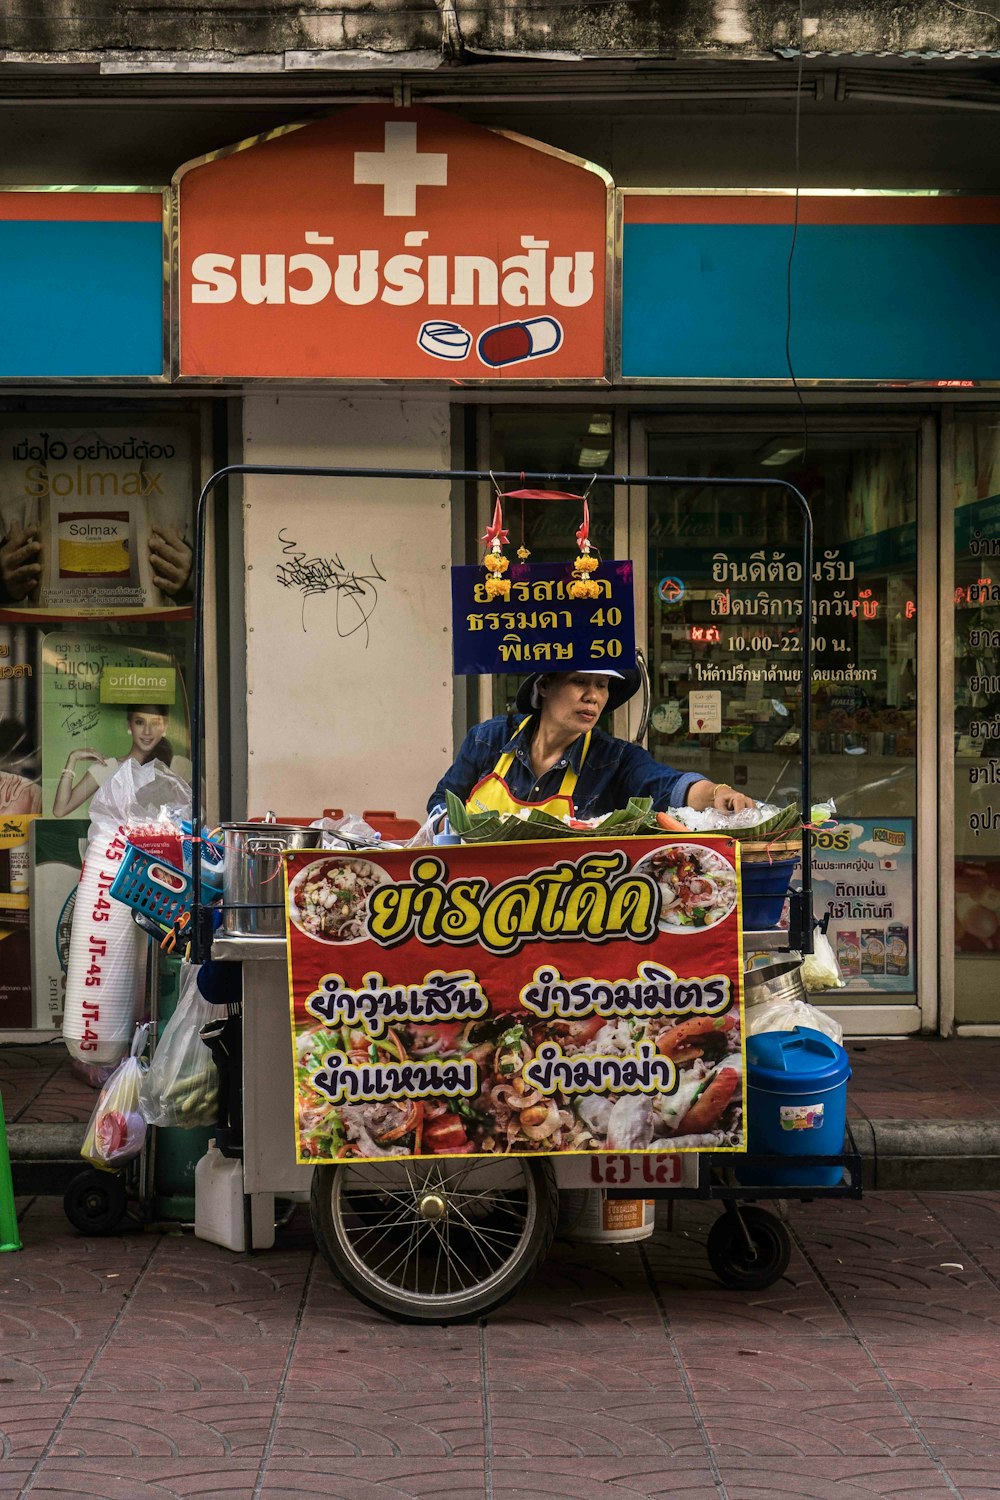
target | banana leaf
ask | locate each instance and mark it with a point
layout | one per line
(489, 827)
(783, 826)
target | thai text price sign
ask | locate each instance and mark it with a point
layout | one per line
(540, 626)
(570, 996)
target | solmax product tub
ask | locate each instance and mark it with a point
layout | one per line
(796, 1106)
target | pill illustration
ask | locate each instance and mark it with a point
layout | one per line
(444, 340)
(509, 343)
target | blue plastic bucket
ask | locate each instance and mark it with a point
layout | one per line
(796, 1105)
(765, 886)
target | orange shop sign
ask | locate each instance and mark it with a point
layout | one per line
(393, 244)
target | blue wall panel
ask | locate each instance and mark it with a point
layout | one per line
(886, 302)
(80, 299)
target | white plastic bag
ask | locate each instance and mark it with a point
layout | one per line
(107, 951)
(181, 1087)
(785, 1015)
(117, 1128)
(345, 832)
(820, 969)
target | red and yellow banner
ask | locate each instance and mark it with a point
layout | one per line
(561, 996)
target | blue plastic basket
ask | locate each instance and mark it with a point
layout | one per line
(147, 884)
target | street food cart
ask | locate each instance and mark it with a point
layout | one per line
(448, 1233)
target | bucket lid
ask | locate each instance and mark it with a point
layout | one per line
(779, 1061)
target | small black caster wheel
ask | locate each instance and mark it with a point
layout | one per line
(751, 1255)
(96, 1202)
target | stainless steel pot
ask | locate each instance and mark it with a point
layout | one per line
(253, 892)
(775, 981)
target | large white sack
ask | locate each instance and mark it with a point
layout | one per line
(107, 952)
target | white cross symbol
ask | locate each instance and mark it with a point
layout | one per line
(400, 169)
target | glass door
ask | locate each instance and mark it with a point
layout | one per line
(722, 608)
(970, 678)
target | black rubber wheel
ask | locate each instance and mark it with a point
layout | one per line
(439, 1241)
(749, 1267)
(96, 1202)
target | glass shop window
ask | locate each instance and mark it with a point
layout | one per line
(977, 717)
(725, 623)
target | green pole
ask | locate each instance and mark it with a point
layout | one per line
(9, 1237)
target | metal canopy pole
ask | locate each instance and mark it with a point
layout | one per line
(201, 941)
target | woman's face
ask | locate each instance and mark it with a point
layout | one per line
(574, 701)
(147, 730)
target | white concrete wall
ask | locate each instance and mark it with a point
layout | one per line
(342, 713)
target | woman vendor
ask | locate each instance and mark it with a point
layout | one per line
(551, 754)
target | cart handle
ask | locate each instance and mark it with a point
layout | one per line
(202, 935)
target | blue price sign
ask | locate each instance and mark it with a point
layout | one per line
(540, 627)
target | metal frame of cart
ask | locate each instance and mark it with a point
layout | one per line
(748, 1247)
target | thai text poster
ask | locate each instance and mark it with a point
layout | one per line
(579, 996)
(863, 876)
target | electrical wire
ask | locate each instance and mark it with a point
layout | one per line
(795, 236)
(969, 10)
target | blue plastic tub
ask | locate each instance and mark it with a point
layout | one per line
(796, 1106)
(765, 886)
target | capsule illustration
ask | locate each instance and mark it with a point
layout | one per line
(509, 343)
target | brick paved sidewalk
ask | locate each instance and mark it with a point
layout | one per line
(157, 1366)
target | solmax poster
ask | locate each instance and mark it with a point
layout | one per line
(96, 521)
(571, 996)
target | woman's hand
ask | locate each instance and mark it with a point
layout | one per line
(725, 799)
(170, 558)
(76, 756)
(718, 795)
(20, 564)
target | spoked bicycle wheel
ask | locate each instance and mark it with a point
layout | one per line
(435, 1241)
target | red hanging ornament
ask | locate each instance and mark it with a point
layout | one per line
(495, 563)
(581, 585)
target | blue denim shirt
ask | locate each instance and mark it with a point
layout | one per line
(613, 771)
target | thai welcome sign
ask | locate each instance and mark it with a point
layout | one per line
(540, 626)
(572, 996)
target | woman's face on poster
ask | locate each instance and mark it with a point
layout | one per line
(147, 730)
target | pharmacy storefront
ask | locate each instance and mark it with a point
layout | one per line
(360, 291)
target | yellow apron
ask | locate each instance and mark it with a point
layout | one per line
(494, 795)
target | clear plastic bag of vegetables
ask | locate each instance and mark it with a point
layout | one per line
(117, 1128)
(181, 1088)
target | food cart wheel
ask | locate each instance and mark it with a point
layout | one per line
(748, 1248)
(436, 1241)
(96, 1202)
